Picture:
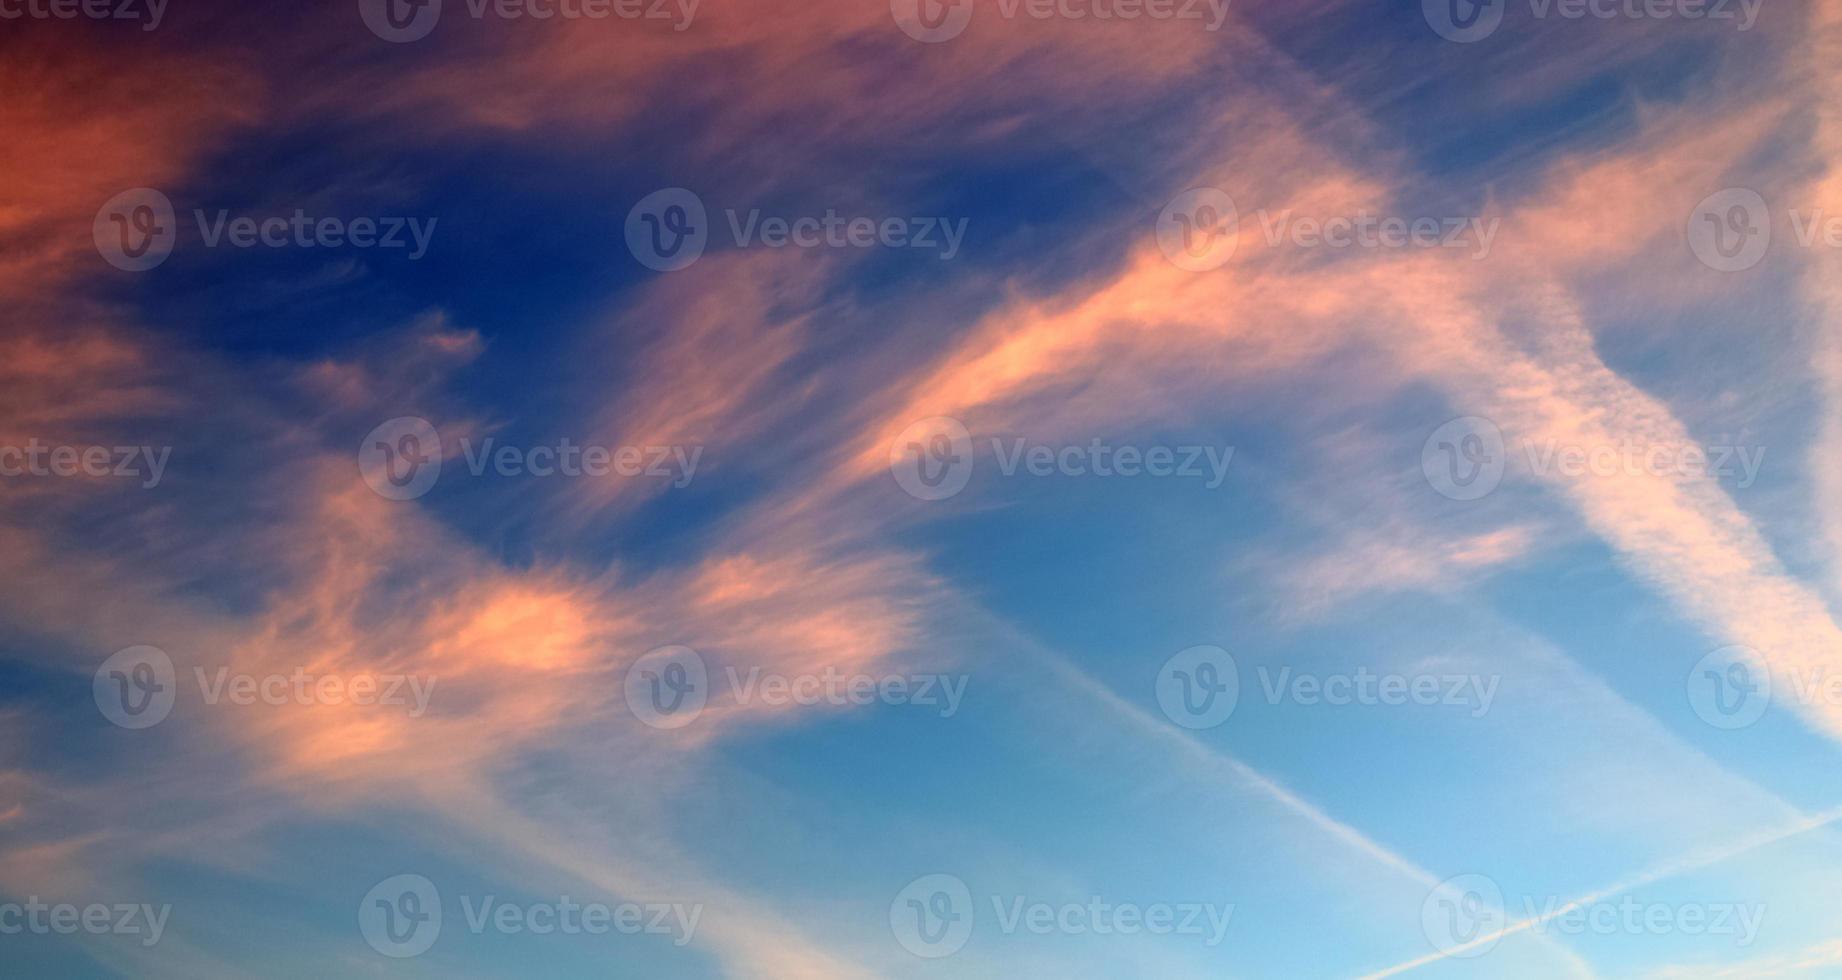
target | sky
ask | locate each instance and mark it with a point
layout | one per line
(840, 489)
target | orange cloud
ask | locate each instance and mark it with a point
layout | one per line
(84, 124)
(760, 66)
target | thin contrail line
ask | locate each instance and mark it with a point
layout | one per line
(1694, 861)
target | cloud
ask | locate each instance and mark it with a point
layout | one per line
(83, 125)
